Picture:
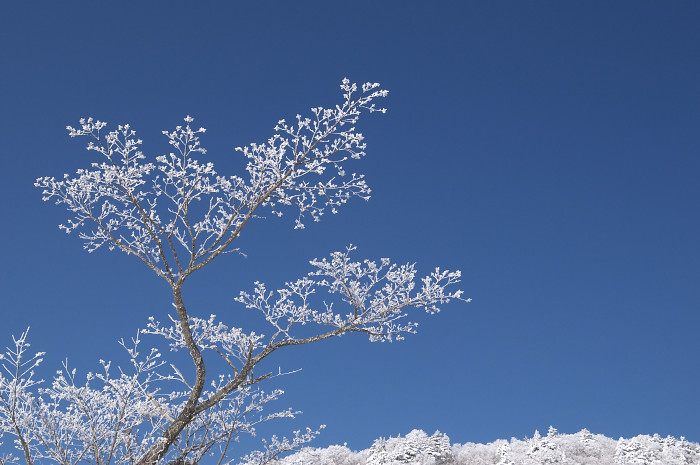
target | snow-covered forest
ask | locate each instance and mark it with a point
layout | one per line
(582, 448)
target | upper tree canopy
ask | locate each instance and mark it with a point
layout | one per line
(178, 213)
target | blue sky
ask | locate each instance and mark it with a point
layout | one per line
(549, 150)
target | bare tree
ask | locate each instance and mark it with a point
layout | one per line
(176, 215)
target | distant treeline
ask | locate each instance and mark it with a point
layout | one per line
(582, 448)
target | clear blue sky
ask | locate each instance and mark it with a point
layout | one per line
(550, 150)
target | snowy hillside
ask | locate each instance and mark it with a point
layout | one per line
(582, 448)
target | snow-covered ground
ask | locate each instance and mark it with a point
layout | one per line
(582, 448)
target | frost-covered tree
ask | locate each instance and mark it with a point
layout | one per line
(481, 454)
(655, 450)
(332, 455)
(176, 214)
(638, 451)
(416, 448)
(546, 450)
(504, 455)
(584, 448)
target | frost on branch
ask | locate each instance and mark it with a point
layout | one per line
(378, 295)
(209, 335)
(274, 447)
(177, 213)
(107, 417)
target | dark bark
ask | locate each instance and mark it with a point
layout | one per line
(158, 450)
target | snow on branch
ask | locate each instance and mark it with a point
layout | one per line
(107, 417)
(177, 213)
(274, 447)
(378, 294)
(208, 334)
